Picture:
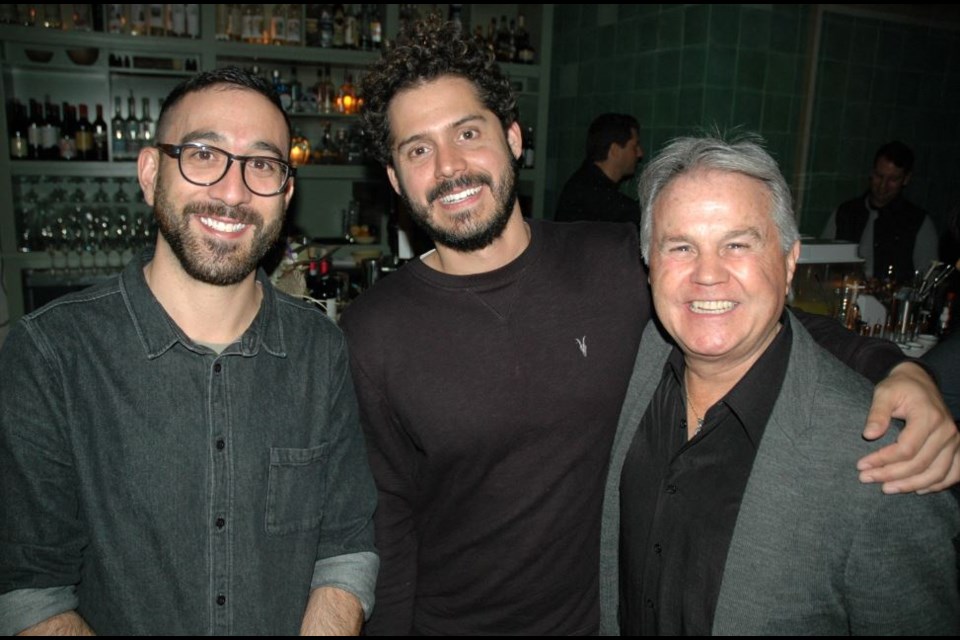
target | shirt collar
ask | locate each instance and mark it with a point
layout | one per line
(158, 332)
(752, 399)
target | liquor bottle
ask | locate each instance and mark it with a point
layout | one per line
(67, 144)
(157, 20)
(235, 25)
(504, 42)
(351, 29)
(178, 20)
(51, 17)
(119, 138)
(138, 19)
(521, 38)
(81, 17)
(528, 149)
(117, 18)
(311, 25)
(326, 98)
(250, 29)
(222, 23)
(296, 92)
(17, 121)
(145, 126)
(326, 26)
(100, 136)
(193, 20)
(376, 26)
(84, 136)
(131, 128)
(339, 26)
(50, 134)
(282, 89)
(278, 24)
(35, 131)
(294, 25)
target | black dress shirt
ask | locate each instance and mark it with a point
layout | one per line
(680, 498)
(590, 195)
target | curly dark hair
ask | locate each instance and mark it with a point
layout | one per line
(425, 51)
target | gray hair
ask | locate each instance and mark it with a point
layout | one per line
(745, 155)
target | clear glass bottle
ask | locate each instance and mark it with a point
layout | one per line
(145, 126)
(119, 137)
(132, 129)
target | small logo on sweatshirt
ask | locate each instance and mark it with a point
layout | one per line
(582, 343)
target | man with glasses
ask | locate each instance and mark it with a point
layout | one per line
(160, 471)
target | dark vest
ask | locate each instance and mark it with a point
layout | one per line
(894, 233)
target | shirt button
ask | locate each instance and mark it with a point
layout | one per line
(220, 523)
(671, 488)
(649, 603)
(657, 548)
(217, 367)
(221, 599)
(221, 444)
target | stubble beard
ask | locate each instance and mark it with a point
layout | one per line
(467, 232)
(207, 259)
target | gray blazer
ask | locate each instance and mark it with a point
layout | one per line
(813, 551)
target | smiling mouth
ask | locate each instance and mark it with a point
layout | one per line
(460, 196)
(223, 227)
(712, 306)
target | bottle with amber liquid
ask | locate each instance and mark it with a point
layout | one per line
(84, 136)
(101, 137)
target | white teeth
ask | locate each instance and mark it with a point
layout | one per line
(454, 198)
(225, 227)
(712, 306)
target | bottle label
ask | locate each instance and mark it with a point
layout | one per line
(18, 146)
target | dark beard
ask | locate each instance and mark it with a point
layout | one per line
(479, 237)
(207, 259)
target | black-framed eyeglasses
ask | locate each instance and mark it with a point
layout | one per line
(204, 165)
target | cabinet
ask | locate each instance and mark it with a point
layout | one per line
(93, 211)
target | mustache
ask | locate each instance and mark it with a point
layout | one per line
(463, 182)
(243, 215)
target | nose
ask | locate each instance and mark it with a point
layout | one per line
(709, 269)
(231, 189)
(449, 161)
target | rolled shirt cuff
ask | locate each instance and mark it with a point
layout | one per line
(23, 608)
(354, 573)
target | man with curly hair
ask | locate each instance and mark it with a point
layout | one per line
(491, 371)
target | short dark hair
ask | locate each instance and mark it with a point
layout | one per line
(607, 129)
(424, 51)
(234, 77)
(898, 153)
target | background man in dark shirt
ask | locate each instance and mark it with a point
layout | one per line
(891, 230)
(593, 191)
(730, 507)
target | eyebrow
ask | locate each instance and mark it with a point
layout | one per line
(753, 232)
(208, 135)
(419, 136)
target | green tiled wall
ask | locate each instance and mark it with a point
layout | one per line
(878, 81)
(680, 68)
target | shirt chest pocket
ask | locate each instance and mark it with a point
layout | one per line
(296, 486)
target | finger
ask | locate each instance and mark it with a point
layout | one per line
(878, 418)
(925, 481)
(953, 477)
(909, 454)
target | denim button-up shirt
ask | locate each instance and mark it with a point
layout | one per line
(158, 487)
